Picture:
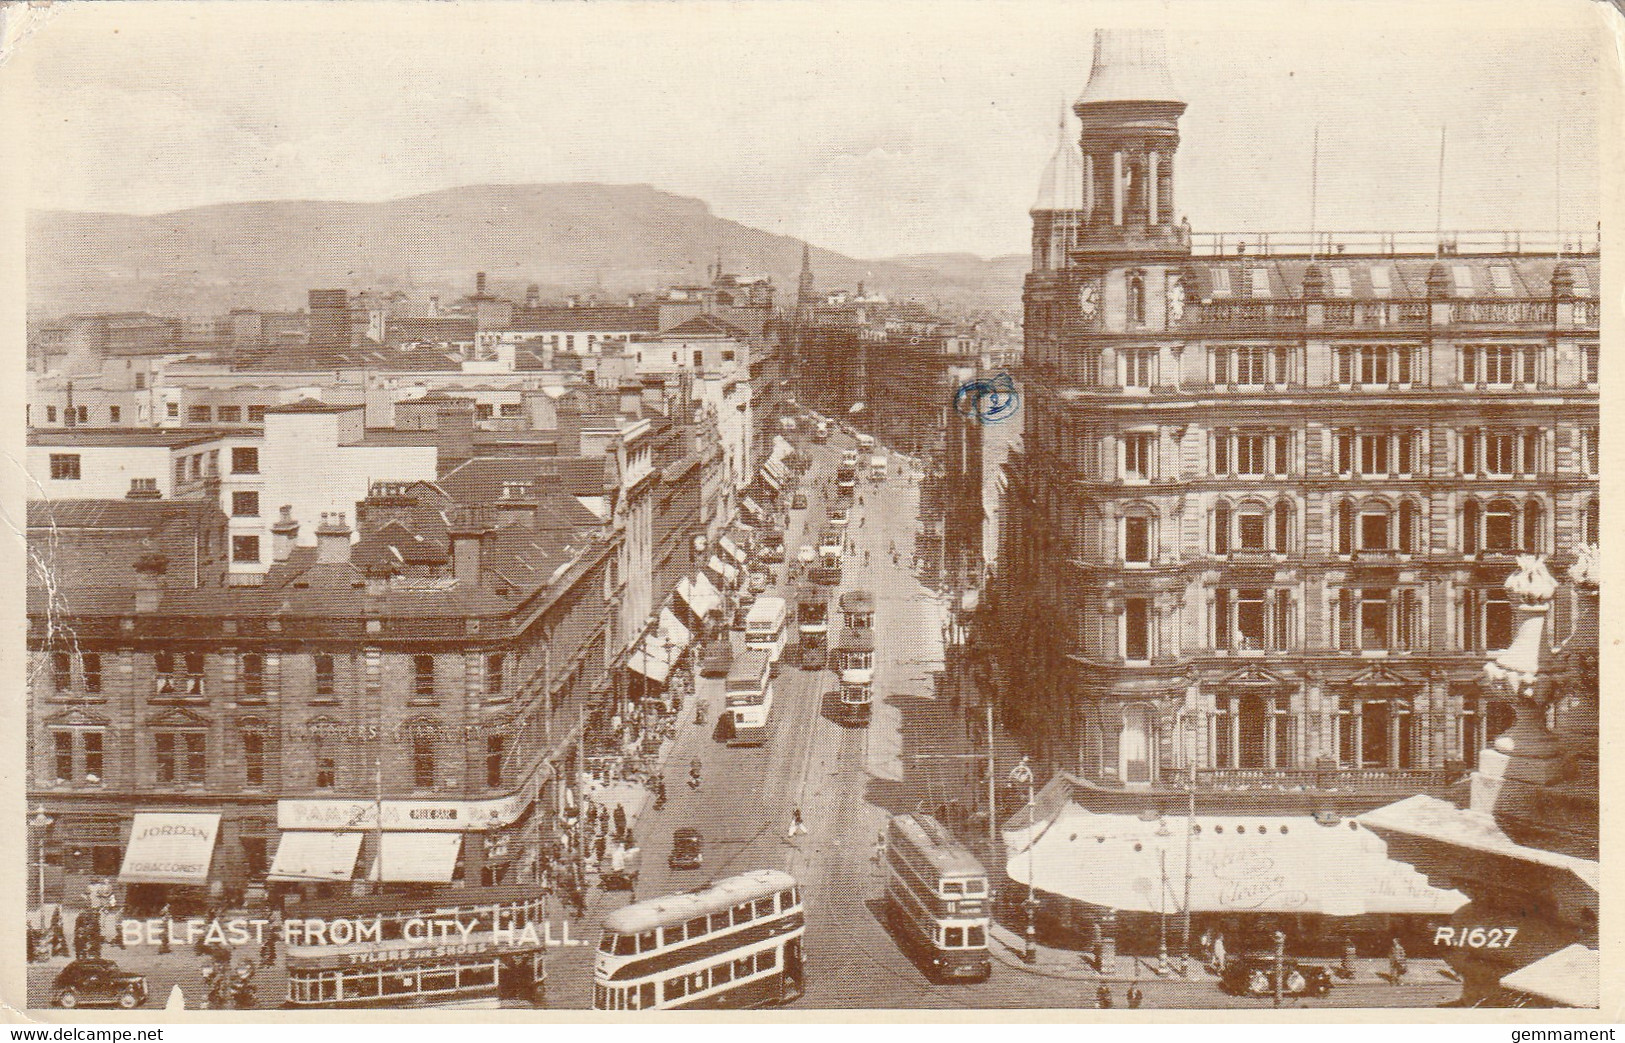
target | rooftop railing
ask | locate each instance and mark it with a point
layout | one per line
(1329, 245)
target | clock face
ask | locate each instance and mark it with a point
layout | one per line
(1089, 300)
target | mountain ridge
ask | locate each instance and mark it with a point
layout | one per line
(567, 237)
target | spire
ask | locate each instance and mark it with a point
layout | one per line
(1061, 187)
(1129, 65)
(804, 288)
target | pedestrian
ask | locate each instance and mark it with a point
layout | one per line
(620, 820)
(1103, 997)
(866, 557)
(1397, 962)
(163, 940)
(1135, 996)
(796, 825)
(1218, 954)
(598, 847)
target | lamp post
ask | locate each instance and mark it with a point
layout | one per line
(1023, 773)
(1280, 962)
(41, 823)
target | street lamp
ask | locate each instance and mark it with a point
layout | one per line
(1023, 773)
(41, 823)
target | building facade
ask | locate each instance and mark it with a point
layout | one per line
(1268, 496)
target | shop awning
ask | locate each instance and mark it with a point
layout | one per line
(782, 447)
(170, 847)
(673, 630)
(702, 597)
(770, 480)
(1238, 864)
(650, 661)
(752, 506)
(726, 571)
(773, 467)
(732, 550)
(316, 855)
(417, 858)
(1570, 977)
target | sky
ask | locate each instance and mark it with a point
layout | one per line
(869, 127)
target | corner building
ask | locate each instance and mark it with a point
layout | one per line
(1269, 492)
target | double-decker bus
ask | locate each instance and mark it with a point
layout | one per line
(736, 943)
(393, 954)
(877, 468)
(846, 475)
(812, 617)
(855, 660)
(748, 696)
(765, 627)
(866, 443)
(937, 898)
(821, 432)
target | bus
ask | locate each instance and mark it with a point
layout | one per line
(748, 697)
(866, 443)
(877, 468)
(765, 627)
(821, 432)
(855, 660)
(735, 944)
(857, 610)
(395, 958)
(937, 898)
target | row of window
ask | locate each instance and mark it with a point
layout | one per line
(642, 996)
(181, 758)
(1258, 366)
(698, 927)
(221, 414)
(183, 675)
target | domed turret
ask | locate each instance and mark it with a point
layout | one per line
(1058, 210)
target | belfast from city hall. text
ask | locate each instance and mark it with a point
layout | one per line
(890, 506)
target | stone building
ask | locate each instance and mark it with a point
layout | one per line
(1269, 491)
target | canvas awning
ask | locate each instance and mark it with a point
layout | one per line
(170, 847)
(782, 447)
(770, 480)
(732, 550)
(673, 630)
(316, 855)
(1238, 864)
(1570, 977)
(703, 597)
(726, 571)
(650, 660)
(773, 467)
(752, 506)
(417, 858)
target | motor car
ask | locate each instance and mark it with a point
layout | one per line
(718, 658)
(799, 502)
(1254, 975)
(687, 849)
(831, 542)
(760, 580)
(839, 517)
(97, 983)
(806, 555)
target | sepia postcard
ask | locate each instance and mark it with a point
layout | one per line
(554, 511)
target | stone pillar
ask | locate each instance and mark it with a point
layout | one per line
(1165, 186)
(1089, 200)
(1117, 187)
(1153, 189)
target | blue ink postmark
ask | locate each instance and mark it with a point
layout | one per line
(988, 400)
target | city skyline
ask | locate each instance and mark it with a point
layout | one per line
(935, 146)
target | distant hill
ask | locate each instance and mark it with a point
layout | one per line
(612, 239)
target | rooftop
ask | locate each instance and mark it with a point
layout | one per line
(87, 437)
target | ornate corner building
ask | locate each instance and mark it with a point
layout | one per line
(1270, 490)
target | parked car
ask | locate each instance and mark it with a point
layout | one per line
(98, 983)
(760, 580)
(719, 656)
(687, 849)
(799, 502)
(1255, 976)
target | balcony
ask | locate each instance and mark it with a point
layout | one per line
(1327, 780)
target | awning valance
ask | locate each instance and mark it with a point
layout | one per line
(1238, 863)
(417, 858)
(170, 847)
(316, 855)
(724, 570)
(771, 481)
(703, 597)
(650, 660)
(673, 630)
(773, 467)
(752, 506)
(732, 550)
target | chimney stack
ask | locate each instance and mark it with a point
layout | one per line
(149, 581)
(332, 540)
(468, 533)
(284, 535)
(479, 284)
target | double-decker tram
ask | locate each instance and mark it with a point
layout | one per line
(855, 659)
(828, 569)
(748, 698)
(857, 610)
(765, 627)
(937, 898)
(485, 949)
(737, 943)
(812, 622)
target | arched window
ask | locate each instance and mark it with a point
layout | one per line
(1501, 526)
(1221, 528)
(1534, 537)
(1410, 527)
(1345, 527)
(1283, 526)
(1252, 530)
(1376, 530)
(1469, 527)
(1136, 299)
